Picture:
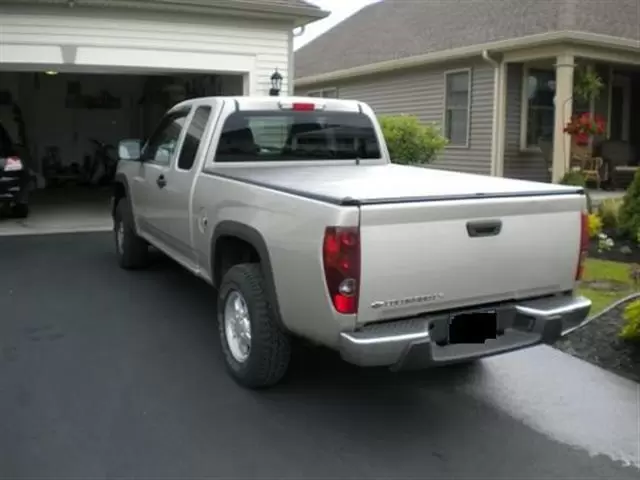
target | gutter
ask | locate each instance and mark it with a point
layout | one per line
(496, 100)
(302, 15)
(539, 39)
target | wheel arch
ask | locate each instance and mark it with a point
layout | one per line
(121, 192)
(229, 230)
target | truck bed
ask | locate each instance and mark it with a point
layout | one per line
(382, 184)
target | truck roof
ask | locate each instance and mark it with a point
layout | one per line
(264, 102)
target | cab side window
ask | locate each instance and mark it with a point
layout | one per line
(163, 142)
(193, 137)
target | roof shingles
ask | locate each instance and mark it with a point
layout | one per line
(393, 29)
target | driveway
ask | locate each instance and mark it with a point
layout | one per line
(106, 373)
(63, 210)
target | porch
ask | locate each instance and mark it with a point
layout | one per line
(539, 99)
(598, 196)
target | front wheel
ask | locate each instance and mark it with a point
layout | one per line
(255, 349)
(132, 251)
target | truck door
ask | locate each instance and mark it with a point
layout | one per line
(151, 183)
(177, 209)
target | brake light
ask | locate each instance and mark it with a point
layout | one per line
(584, 244)
(300, 106)
(341, 261)
(12, 164)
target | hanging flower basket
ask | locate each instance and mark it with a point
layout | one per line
(583, 127)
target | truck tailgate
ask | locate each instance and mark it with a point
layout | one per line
(427, 256)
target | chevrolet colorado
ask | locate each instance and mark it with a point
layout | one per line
(291, 208)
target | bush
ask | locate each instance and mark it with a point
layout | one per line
(411, 142)
(577, 179)
(631, 328)
(609, 212)
(574, 178)
(629, 214)
(595, 225)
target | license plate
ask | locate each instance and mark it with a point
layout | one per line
(473, 327)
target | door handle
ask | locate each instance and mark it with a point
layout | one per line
(161, 181)
(488, 228)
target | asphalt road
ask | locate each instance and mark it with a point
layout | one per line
(106, 373)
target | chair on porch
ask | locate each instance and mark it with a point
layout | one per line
(590, 166)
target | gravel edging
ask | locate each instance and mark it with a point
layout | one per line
(598, 343)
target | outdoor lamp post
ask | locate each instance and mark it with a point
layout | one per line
(276, 84)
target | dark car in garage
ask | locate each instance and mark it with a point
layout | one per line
(14, 179)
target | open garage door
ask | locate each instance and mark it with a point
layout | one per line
(65, 128)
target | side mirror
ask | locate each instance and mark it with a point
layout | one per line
(129, 150)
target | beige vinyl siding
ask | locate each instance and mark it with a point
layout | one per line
(421, 93)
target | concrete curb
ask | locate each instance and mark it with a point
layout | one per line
(19, 232)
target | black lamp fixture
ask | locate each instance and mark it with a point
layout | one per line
(276, 84)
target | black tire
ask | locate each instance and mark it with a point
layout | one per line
(270, 347)
(132, 251)
(20, 210)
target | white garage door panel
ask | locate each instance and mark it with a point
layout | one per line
(39, 54)
(165, 59)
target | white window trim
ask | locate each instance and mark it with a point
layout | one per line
(468, 71)
(321, 91)
(524, 109)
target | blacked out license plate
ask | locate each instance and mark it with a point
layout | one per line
(473, 327)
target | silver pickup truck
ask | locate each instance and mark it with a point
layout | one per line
(291, 209)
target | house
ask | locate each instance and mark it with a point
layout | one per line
(77, 74)
(498, 76)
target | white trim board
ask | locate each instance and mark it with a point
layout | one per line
(111, 59)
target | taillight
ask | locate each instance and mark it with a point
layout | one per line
(12, 164)
(584, 244)
(341, 261)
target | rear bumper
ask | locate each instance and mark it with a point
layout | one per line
(415, 343)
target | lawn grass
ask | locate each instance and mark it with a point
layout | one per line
(605, 270)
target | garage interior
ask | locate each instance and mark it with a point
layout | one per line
(67, 127)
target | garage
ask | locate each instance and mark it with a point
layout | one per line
(78, 76)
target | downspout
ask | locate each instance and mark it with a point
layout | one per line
(292, 56)
(496, 108)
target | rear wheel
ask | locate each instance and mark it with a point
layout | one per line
(132, 251)
(255, 349)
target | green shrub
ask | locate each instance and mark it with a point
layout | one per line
(629, 215)
(631, 328)
(577, 179)
(609, 212)
(411, 142)
(574, 178)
